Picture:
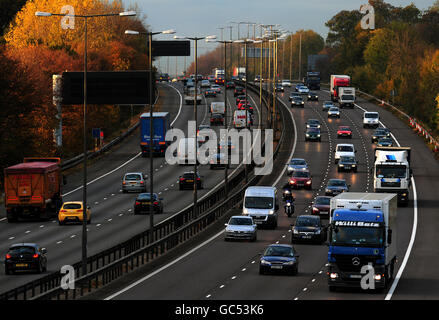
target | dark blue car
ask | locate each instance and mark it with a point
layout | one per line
(279, 257)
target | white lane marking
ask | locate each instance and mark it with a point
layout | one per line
(243, 269)
(42, 226)
(181, 104)
(59, 242)
(11, 238)
(28, 231)
(2, 219)
(221, 286)
(98, 225)
(208, 296)
(234, 277)
(72, 236)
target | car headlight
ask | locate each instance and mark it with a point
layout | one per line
(245, 211)
(341, 165)
(271, 212)
(264, 262)
(307, 135)
(317, 231)
(354, 165)
(318, 135)
(291, 262)
(303, 102)
(328, 190)
(295, 231)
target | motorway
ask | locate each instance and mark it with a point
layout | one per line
(229, 270)
(112, 211)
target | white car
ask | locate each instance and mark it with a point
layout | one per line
(205, 84)
(303, 90)
(217, 88)
(240, 227)
(334, 112)
(371, 119)
(286, 83)
(344, 150)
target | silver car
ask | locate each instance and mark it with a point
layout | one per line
(240, 227)
(334, 112)
(134, 181)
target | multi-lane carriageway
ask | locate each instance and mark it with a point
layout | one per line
(216, 269)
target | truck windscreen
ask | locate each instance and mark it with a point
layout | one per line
(347, 97)
(357, 236)
(383, 171)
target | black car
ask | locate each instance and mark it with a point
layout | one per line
(281, 258)
(297, 102)
(230, 85)
(308, 228)
(279, 88)
(313, 133)
(347, 163)
(385, 142)
(186, 181)
(209, 93)
(143, 203)
(378, 134)
(313, 123)
(25, 256)
(312, 96)
(292, 95)
(216, 119)
(336, 186)
(238, 91)
(239, 98)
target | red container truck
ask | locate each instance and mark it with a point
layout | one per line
(336, 82)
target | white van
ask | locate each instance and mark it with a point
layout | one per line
(239, 119)
(371, 119)
(260, 203)
(344, 150)
(217, 107)
(186, 151)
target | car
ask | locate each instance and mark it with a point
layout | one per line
(240, 227)
(241, 104)
(297, 164)
(134, 181)
(313, 133)
(344, 149)
(286, 83)
(164, 77)
(303, 90)
(205, 84)
(371, 119)
(210, 93)
(218, 160)
(72, 211)
(281, 258)
(223, 144)
(314, 123)
(334, 112)
(25, 256)
(230, 85)
(292, 95)
(327, 105)
(216, 119)
(143, 204)
(385, 142)
(240, 98)
(336, 186)
(378, 134)
(257, 78)
(308, 228)
(320, 206)
(238, 91)
(347, 163)
(211, 78)
(202, 138)
(312, 96)
(298, 85)
(217, 88)
(279, 88)
(300, 178)
(297, 101)
(220, 81)
(187, 180)
(344, 132)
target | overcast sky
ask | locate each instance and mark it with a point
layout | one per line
(203, 17)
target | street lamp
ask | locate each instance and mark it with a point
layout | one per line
(84, 185)
(151, 107)
(195, 39)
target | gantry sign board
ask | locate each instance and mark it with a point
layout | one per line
(107, 87)
(255, 52)
(171, 48)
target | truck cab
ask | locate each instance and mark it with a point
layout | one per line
(347, 97)
(161, 123)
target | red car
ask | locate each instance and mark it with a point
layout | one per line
(321, 205)
(299, 179)
(344, 132)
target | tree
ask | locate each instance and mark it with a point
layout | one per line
(8, 9)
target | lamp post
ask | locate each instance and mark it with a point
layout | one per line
(151, 133)
(195, 39)
(84, 184)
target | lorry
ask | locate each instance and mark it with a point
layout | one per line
(346, 97)
(336, 82)
(239, 117)
(239, 72)
(190, 95)
(362, 231)
(217, 107)
(392, 172)
(219, 73)
(33, 189)
(312, 80)
(161, 123)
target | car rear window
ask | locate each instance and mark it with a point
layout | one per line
(72, 206)
(133, 177)
(146, 196)
(22, 249)
(323, 201)
(188, 175)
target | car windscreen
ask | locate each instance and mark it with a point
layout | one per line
(71, 206)
(133, 177)
(371, 115)
(279, 252)
(336, 183)
(347, 159)
(345, 149)
(298, 162)
(357, 236)
(307, 222)
(240, 221)
(390, 171)
(259, 202)
(300, 174)
(313, 130)
(323, 201)
(22, 249)
(335, 109)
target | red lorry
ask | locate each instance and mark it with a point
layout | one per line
(338, 81)
(33, 188)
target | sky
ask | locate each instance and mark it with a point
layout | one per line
(203, 17)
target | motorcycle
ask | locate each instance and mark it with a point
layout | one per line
(289, 207)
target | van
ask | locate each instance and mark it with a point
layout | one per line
(371, 119)
(186, 151)
(239, 119)
(217, 107)
(261, 204)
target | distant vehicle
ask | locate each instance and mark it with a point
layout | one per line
(281, 258)
(347, 97)
(313, 123)
(230, 85)
(385, 142)
(216, 119)
(218, 160)
(293, 95)
(186, 181)
(279, 87)
(303, 90)
(186, 151)
(286, 83)
(239, 117)
(298, 85)
(347, 163)
(312, 80)
(300, 179)
(134, 181)
(308, 228)
(238, 91)
(344, 132)
(209, 92)
(327, 105)
(200, 137)
(257, 78)
(164, 77)
(143, 203)
(334, 112)
(205, 84)
(211, 78)
(219, 73)
(25, 256)
(344, 150)
(239, 98)
(240, 227)
(371, 119)
(192, 94)
(223, 144)
(320, 206)
(312, 96)
(220, 81)
(297, 102)
(217, 107)
(72, 211)
(378, 134)
(261, 204)
(217, 88)
(313, 133)
(336, 186)
(161, 123)
(296, 164)
(337, 82)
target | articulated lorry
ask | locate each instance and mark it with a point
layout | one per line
(346, 97)
(312, 80)
(336, 82)
(392, 172)
(33, 189)
(362, 231)
(161, 123)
